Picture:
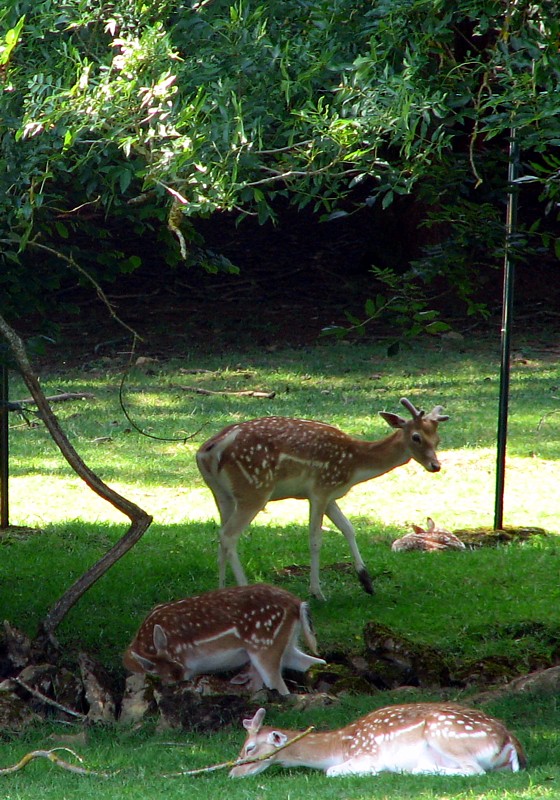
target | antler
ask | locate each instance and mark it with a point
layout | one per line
(416, 413)
(436, 414)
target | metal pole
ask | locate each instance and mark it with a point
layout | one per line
(4, 503)
(507, 309)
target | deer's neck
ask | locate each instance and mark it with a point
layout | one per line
(318, 750)
(376, 458)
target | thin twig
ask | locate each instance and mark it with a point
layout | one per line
(232, 392)
(242, 761)
(53, 758)
(47, 700)
(548, 414)
(100, 293)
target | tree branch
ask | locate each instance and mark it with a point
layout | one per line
(140, 520)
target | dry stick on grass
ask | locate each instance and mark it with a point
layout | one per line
(57, 398)
(54, 759)
(244, 393)
(238, 762)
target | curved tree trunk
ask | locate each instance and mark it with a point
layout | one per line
(140, 520)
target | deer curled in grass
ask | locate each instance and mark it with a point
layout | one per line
(430, 538)
(274, 458)
(414, 738)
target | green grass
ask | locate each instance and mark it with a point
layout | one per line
(141, 761)
(467, 604)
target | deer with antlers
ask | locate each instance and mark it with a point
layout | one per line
(222, 630)
(415, 738)
(273, 458)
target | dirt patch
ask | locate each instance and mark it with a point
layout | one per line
(43, 684)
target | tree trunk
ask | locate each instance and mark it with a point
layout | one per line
(140, 520)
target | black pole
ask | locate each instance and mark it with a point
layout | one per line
(507, 309)
(4, 503)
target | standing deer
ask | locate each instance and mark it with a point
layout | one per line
(273, 458)
(416, 738)
(222, 630)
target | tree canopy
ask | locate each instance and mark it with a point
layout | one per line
(127, 119)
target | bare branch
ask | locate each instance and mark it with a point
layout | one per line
(52, 756)
(241, 761)
(140, 520)
(48, 700)
(56, 398)
(243, 393)
(100, 293)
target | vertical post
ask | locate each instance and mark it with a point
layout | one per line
(507, 309)
(4, 504)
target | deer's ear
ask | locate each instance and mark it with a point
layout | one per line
(160, 638)
(277, 738)
(145, 663)
(394, 420)
(255, 723)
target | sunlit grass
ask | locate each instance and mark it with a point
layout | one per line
(460, 603)
(461, 496)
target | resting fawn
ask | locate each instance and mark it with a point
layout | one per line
(417, 738)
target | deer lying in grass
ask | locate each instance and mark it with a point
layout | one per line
(222, 630)
(416, 738)
(430, 538)
(273, 458)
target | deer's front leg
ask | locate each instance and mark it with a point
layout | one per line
(344, 525)
(359, 765)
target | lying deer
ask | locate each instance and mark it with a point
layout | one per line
(430, 538)
(417, 738)
(222, 630)
(273, 458)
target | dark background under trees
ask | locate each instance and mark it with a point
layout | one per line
(334, 165)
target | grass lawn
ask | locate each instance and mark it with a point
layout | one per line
(469, 604)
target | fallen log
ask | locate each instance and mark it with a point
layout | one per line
(54, 398)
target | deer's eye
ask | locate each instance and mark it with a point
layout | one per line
(249, 749)
(416, 438)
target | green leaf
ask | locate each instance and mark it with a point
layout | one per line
(11, 39)
(370, 308)
(125, 176)
(62, 230)
(352, 318)
(437, 327)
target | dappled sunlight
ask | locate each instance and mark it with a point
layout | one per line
(340, 384)
(460, 496)
(64, 499)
